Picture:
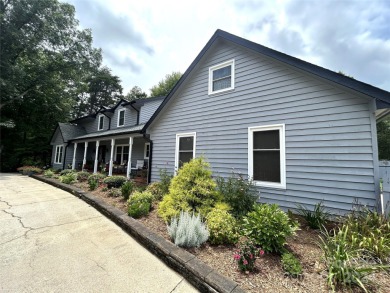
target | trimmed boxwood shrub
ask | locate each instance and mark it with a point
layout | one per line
(222, 227)
(98, 177)
(82, 176)
(114, 181)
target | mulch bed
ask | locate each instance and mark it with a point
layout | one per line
(268, 275)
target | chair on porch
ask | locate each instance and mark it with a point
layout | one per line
(138, 167)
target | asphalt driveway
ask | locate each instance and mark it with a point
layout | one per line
(51, 241)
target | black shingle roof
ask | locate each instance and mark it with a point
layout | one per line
(69, 131)
(382, 97)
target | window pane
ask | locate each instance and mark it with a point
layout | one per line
(184, 157)
(186, 143)
(125, 149)
(222, 72)
(101, 122)
(266, 139)
(266, 166)
(222, 83)
(125, 158)
(122, 118)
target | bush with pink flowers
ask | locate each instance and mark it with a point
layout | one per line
(246, 256)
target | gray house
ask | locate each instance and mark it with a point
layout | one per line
(301, 132)
(110, 140)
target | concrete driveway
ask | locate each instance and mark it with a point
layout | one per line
(51, 241)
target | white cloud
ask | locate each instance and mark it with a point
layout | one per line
(142, 41)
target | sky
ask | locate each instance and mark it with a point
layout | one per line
(144, 40)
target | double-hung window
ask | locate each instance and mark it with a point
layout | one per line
(147, 150)
(101, 122)
(221, 77)
(121, 117)
(185, 148)
(266, 155)
(122, 154)
(58, 154)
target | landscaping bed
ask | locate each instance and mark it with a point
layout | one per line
(268, 274)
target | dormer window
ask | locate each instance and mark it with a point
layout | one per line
(101, 122)
(221, 77)
(121, 117)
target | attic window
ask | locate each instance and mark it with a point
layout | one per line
(121, 117)
(221, 77)
(101, 122)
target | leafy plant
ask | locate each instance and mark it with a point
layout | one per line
(165, 181)
(155, 189)
(98, 177)
(29, 170)
(239, 193)
(188, 230)
(114, 192)
(291, 265)
(67, 171)
(48, 173)
(317, 218)
(68, 178)
(344, 261)
(222, 227)
(139, 204)
(82, 176)
(269, 227)
(192, 189)
(127, 189)
(114, 181)
(246, 255)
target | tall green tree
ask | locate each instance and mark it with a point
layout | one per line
(136, 93)
(43, 64)
(383, 130)
(165, 85)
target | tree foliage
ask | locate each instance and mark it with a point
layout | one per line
(44, 65)
(136, 93)
(165, 85)
(383, 130)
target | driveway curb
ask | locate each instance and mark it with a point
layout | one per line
(200, 275)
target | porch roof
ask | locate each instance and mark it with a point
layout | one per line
(112, 132)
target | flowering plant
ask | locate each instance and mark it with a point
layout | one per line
(246, 255)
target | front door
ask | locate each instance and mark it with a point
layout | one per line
(102, 154)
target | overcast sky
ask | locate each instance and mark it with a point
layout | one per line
(144, 40)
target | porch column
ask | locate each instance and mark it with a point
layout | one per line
(85, 154)
(129, 160)
(95, 167)
(74, 156)
(112, 157)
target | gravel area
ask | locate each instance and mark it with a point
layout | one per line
(268, 275)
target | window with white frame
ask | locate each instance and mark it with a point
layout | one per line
(185, 148)
(58, 154)
(122, 154)
(121, 117)
(221, 77)
(266, 155)
(147, 150)
(101, 122)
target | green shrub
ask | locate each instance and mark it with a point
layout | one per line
(222, 227)
(156, 189)
(96, 177)
(188, 230)
(68, 178)
(291, 265)
(345, 264)
(82, 176)
(93, 184)
(317, 218)
(114, 181)
(127, 189)
(269, 227)
(67, 171)
(239, 193)
(139, 204)
(165, 181)
(114, 192)
(48, 173)
(369, 231)
(192, 189)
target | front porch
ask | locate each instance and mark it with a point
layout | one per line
(128, 156)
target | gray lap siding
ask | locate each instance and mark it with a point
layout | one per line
(329, 153)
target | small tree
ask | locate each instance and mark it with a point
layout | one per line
(166, 85)
(192, 189)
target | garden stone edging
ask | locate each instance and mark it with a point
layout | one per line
(199, 274)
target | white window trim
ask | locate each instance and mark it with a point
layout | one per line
(119, 115)
(178, 136)
(99, 123)
(116, 152)
(218, 66)
(145, 148)
(282, 142)
(56, 159)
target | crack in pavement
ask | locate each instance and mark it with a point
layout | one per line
(98, 265)
(173, 290)
(23, 204)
